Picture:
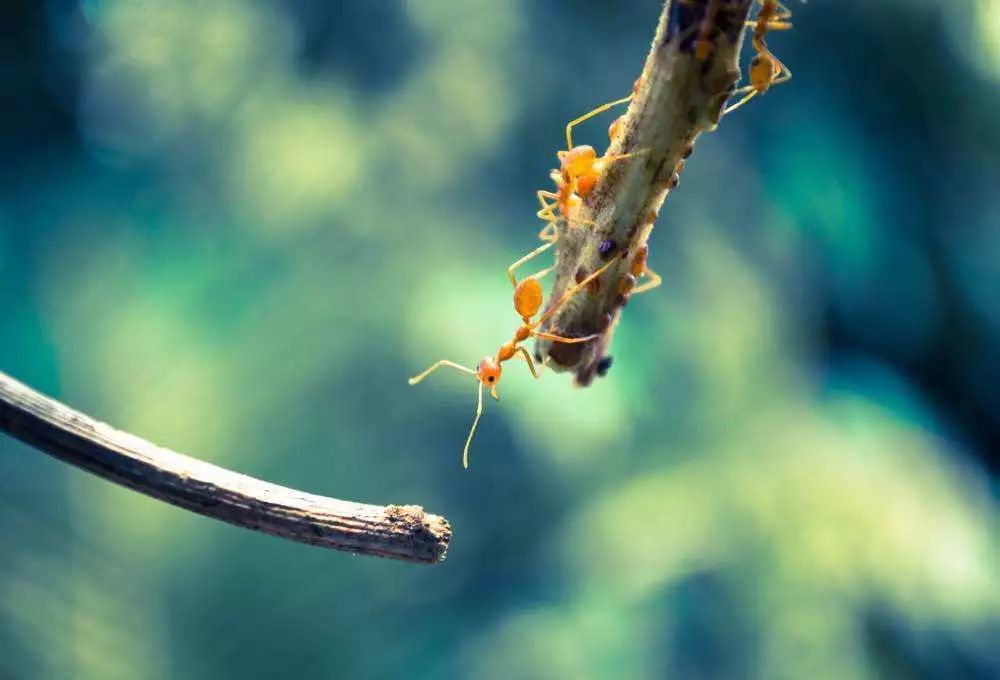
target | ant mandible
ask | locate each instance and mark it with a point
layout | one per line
(766, 69)
(527, 301)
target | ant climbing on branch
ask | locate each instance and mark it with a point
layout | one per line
(766, 70)
(579, 170)
(527, 301)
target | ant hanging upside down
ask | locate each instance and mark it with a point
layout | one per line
(766, 70)
(527, 302)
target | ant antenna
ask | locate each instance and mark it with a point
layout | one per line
(587, 116)
(475, 422)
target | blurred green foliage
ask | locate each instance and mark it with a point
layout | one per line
(235, 228)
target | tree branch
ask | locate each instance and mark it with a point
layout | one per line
(679, 98)
(402, 532)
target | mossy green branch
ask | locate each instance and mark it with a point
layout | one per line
(679, 97)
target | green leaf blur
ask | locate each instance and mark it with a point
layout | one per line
(235, 228)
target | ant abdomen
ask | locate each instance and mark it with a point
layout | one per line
(528, 298)
(763, 71)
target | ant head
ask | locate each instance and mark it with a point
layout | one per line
(577, 161)
(763, 71)
(488, 372)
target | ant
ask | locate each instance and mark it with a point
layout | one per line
(579, 170)
(527, 301)
(766, 69)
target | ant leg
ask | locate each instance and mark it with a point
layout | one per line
(444, 362)
(600, 109)
(603, 161)
(542, 273)
(753, 93)
(623, 156)
(548, 213)
(569, 294)
(785, 75)
(531, 364)
(778, 21)
(559, 338)
(772, 25)
(475, 422)
(654, 281)
(549, 233)
(534, 253)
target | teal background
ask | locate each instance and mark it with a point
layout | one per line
(235, 228)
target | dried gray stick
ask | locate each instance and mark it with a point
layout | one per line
(679, 98)
(402, 532)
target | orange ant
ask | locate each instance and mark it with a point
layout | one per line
(527, 301)
(579, 170)
(766, 69)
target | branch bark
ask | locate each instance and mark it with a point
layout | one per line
(679, 98)
(402, 532)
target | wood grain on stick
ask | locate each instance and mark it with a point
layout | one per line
(402, 532)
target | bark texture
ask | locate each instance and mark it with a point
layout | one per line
(679, 98)
(402, 532)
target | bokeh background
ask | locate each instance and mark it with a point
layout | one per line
(236, 227)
